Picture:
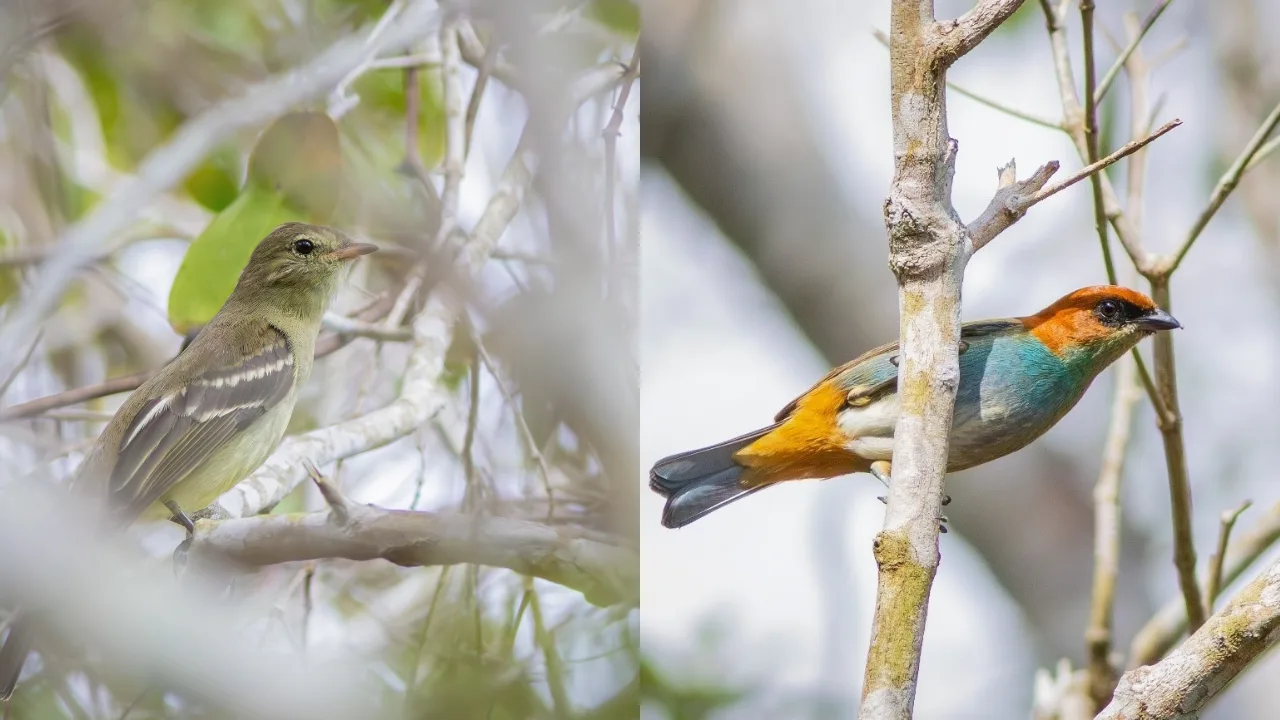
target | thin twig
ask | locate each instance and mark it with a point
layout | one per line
(1134, 42)
(417, 60)
(610, 134)
(455, 128)
(1106, 536)
(983, 100)
(1099, 165)
(544, 471)
(477, 93)
(1166, 626)
(471, 498)
(1225, 186)
(1164, 387)
(551, 657)
(1007, 110)
(26, 358)
(350, 327)
(1015, 197)
(1184, 552)
(1073, 124)
(1214, 583)
(1263, 153)
(1091, 137)
(412, 110)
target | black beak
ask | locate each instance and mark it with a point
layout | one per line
(1157, 320)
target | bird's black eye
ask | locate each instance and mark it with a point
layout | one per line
(304, 247)
(1109, 310)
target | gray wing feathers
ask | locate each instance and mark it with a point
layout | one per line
(172, 435)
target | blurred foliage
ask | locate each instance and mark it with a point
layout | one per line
(1021, 18)
(139, 71)
(622, 16)
(684, 700)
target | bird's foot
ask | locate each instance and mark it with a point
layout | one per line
(181, 553)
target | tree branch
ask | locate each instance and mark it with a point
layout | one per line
(1013, 199)
(928, 250)
(1163, 630)
(1225, 186)
(1213, 584)
(1106, 568)
(1206, 663)
(605, 574)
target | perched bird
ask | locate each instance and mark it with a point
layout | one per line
(1018, 377)
(217, 410)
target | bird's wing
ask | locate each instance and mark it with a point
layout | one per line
(172, 435)
(877, 369)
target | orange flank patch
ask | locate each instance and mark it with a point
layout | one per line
(808, 443)
(1071, 320)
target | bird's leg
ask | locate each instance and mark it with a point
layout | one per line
(180, 552)
(882, 471)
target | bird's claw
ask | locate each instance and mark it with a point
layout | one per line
(181, 555)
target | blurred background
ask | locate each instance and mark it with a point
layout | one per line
(766, 157)
(483, 363)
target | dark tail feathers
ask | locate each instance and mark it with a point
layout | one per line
(698, 482)
(13, 655)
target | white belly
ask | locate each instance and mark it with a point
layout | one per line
(869, 428)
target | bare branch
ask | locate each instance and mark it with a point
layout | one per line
(1090, 128)
(605, 574)
(1010, 202)
(1224, 188)
(1013, 199)
(1175, 453)
(1214, 584)
(351, 328)
(1163, 630)
(1106, 536)
(610, 135)
(338, 505)
(455, 130)
(1073, 114)
(1204, 665)
(928, 250)
(1123, 57)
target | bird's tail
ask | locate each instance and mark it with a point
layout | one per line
(698, 482)
(13, 655)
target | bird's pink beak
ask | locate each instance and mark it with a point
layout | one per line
(354, 250)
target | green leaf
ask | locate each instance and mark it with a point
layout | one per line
(621, 16)
(213, 263)
(295, 173)
(9, 279)
(215, 183)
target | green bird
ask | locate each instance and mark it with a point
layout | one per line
(217, 410)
